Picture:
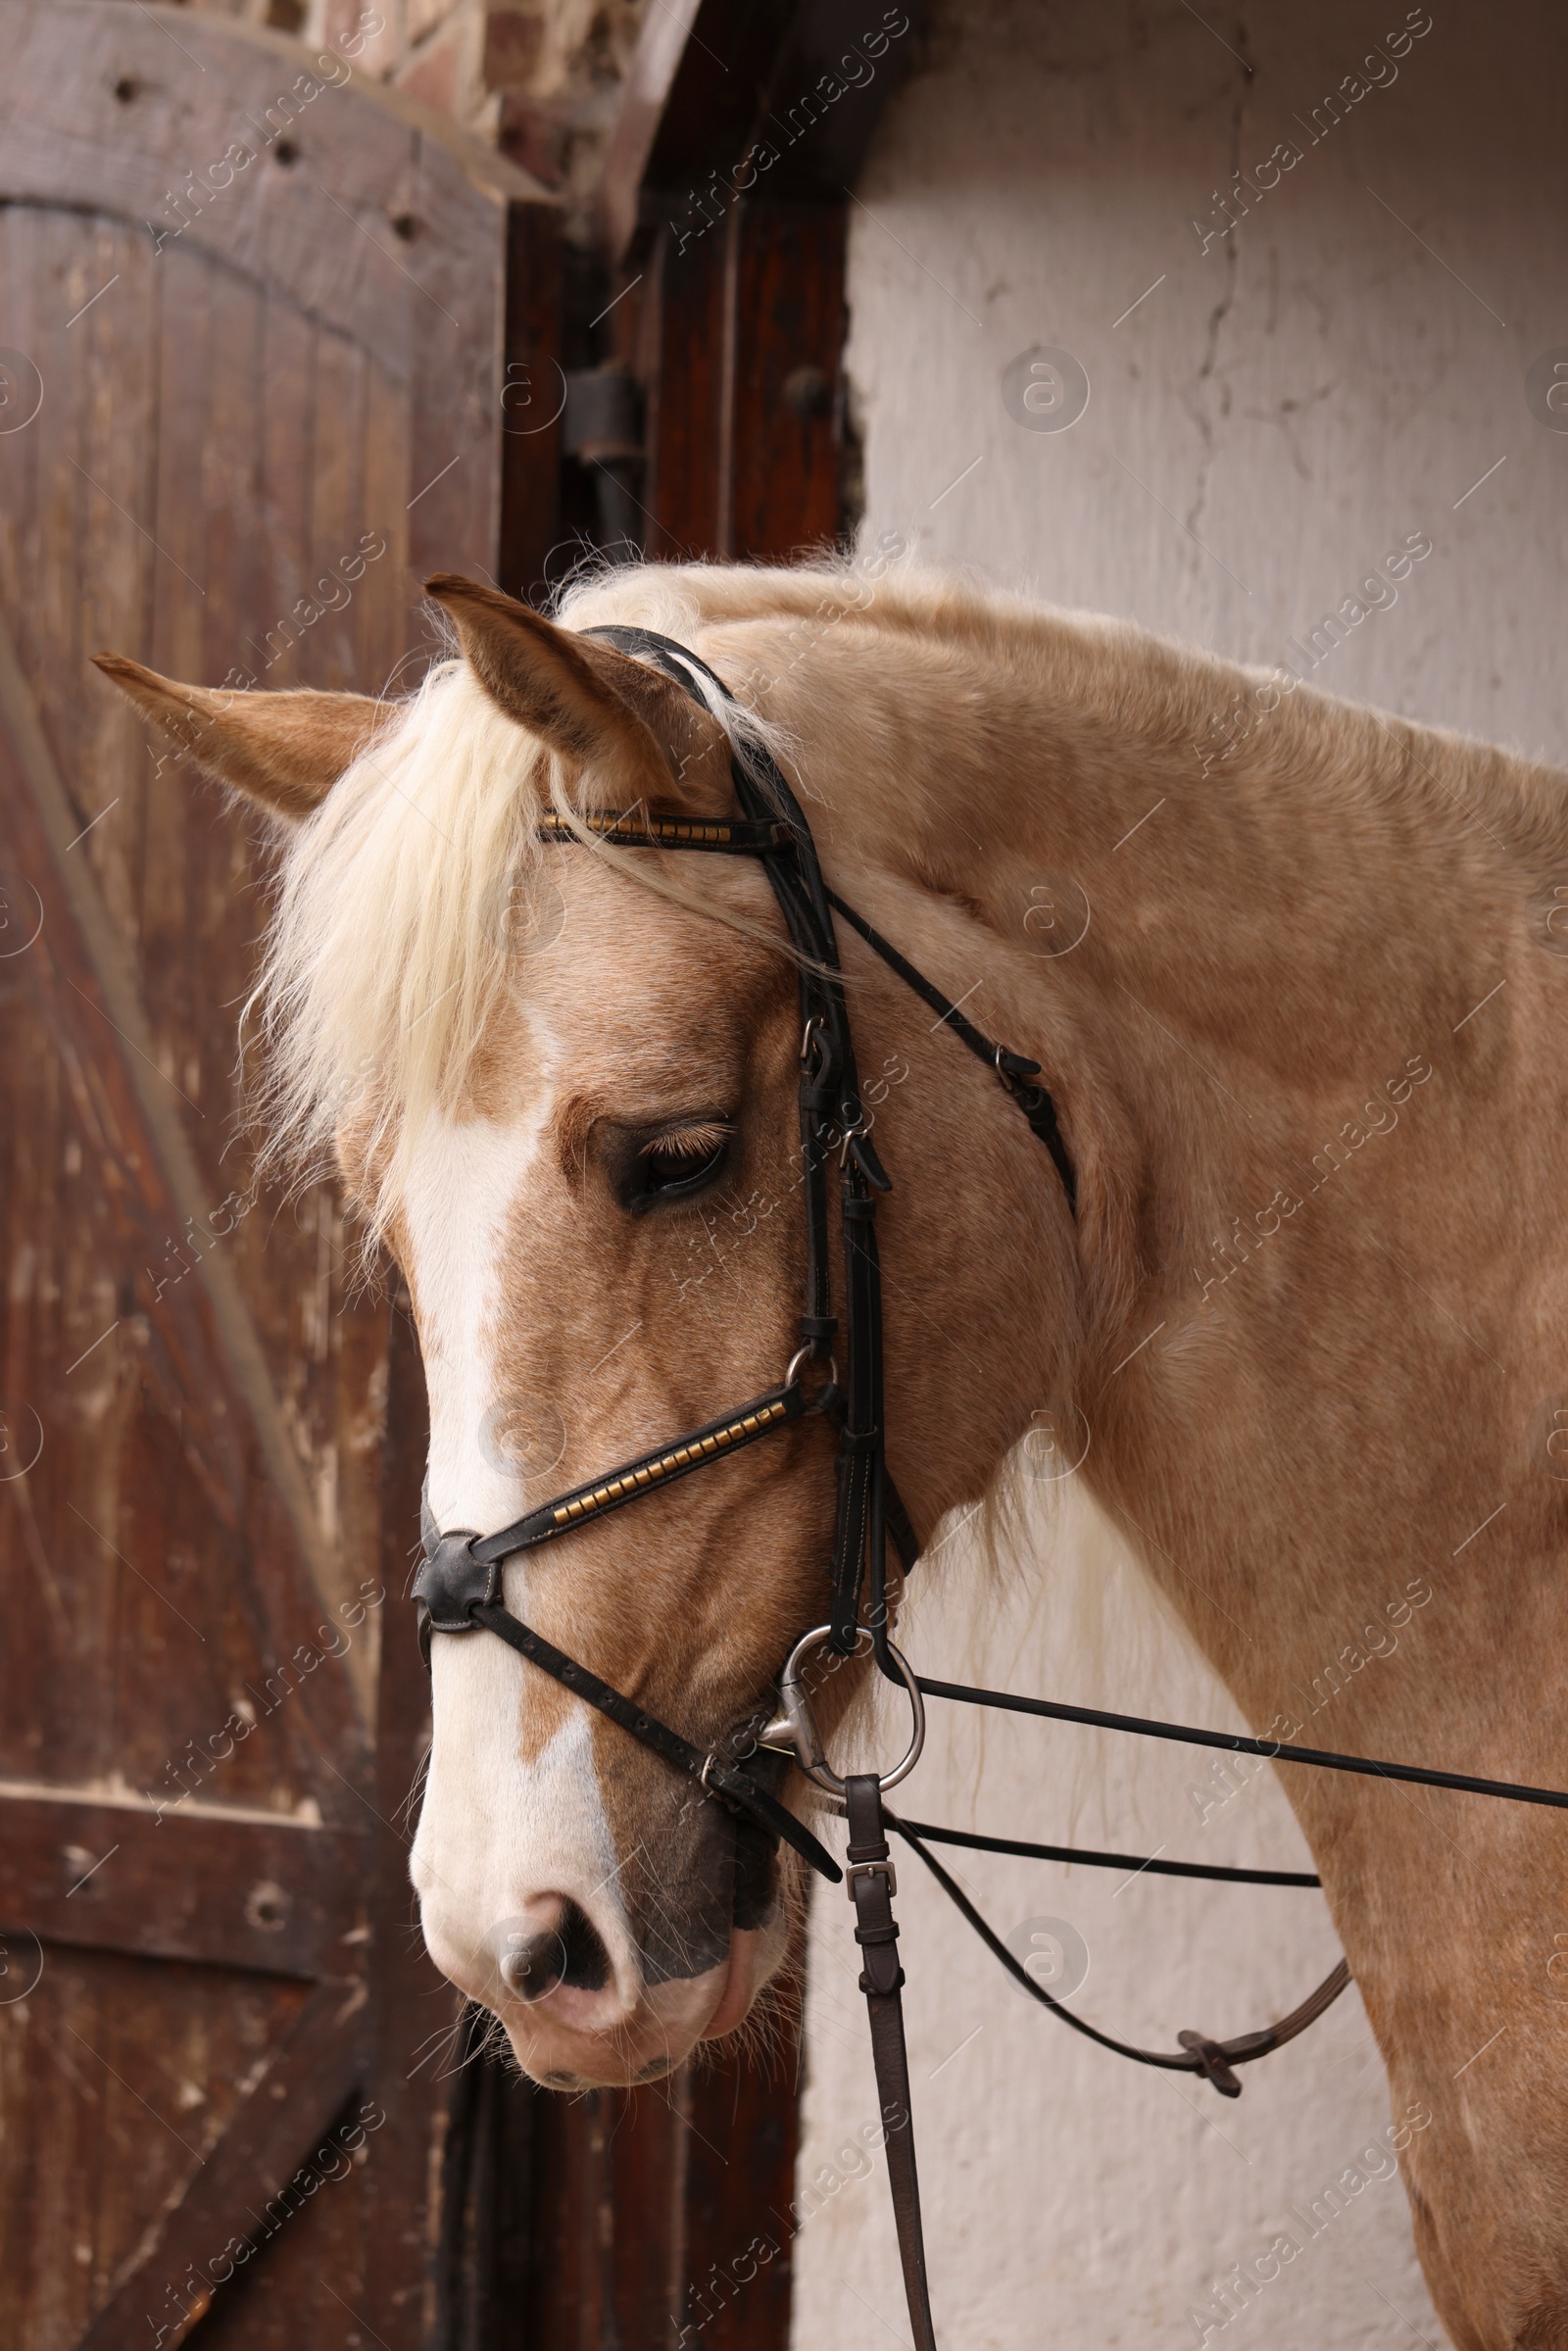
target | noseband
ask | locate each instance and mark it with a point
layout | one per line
(458, 1588)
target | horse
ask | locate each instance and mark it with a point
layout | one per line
(1295, 973)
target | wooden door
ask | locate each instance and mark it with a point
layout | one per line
(253, 368)
(662, 2217)
(723, 210)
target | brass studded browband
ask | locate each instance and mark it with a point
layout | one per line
(641, 828)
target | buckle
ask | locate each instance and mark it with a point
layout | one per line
(715, 1761)
(1012, 1067)
(870, 1869)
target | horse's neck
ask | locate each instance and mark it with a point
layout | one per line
(1308, 1050)
(1326, 1388)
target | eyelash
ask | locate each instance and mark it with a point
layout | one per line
(688, 1143)
(676, 1164)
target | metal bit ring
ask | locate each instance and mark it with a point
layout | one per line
(794, 1727)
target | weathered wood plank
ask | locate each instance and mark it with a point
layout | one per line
(224, 401)
(113, 351)
(415, 2012)
(235, 2197)
(336, 510)
(192, 1882)
(330, 169)
(385, 593)
(117, 2076)
(270, 628)
(156, 1153)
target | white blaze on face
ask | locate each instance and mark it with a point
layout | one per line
(496, 1837)
(466, 1179)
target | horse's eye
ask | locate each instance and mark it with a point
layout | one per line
(673, 1167)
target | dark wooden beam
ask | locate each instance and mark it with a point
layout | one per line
(208, 1884)
(222, 2205)
(802, 82)
(532, 398)
(743, 338)
(725, 206)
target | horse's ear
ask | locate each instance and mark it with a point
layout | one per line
(283, 751)
(639, 731)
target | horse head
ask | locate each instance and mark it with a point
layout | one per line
(562, 1083)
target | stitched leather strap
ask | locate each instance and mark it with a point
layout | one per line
(860, 1437)
(871, 1887)
(1197, 2054)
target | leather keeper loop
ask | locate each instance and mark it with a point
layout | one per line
(868, 1935)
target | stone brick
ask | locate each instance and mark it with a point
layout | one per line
(514, 46)
(539, 79)
(367, 33)
(423, 16)
(433, 76)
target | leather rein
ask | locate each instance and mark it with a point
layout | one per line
(458, 1588)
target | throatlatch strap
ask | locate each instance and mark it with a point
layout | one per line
(1014, 1070)
(871, 1884)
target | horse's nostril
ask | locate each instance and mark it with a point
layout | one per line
(573, 1954)
(587, 1967)
(534, 1966)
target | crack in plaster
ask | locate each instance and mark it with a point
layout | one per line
(1209, 369)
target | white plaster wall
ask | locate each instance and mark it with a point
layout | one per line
(1281, 411)
(1072, 2198)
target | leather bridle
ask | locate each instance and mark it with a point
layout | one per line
(458, 1584)
(458, 1588)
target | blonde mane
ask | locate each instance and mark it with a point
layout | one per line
(385, 959)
